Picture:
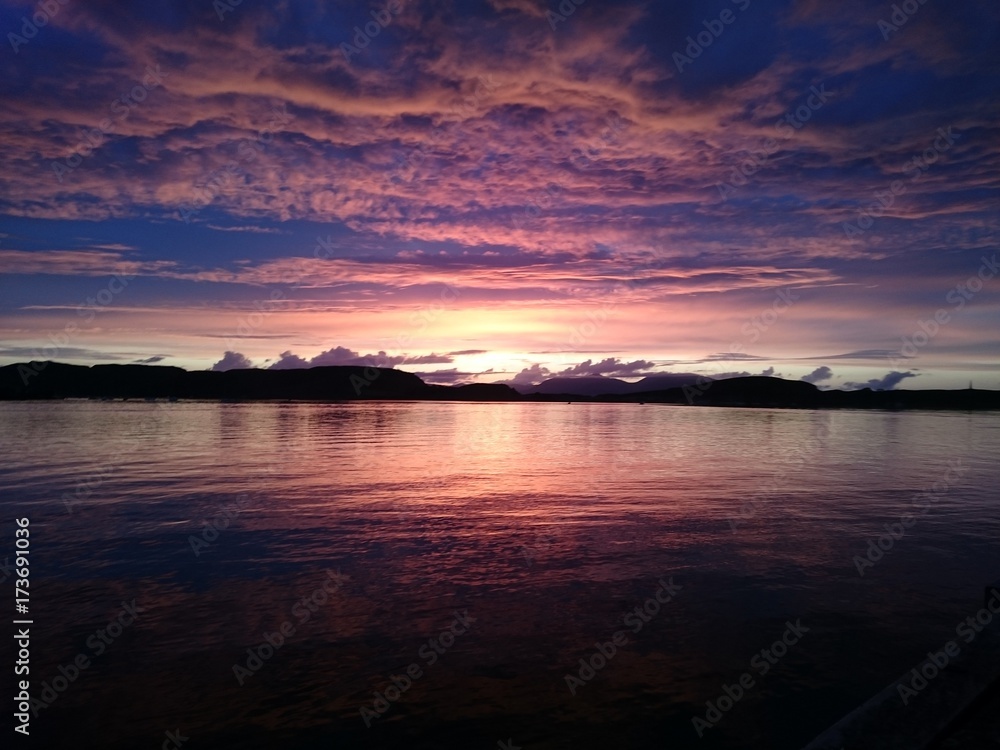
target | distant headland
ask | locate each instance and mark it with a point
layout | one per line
(54, 380)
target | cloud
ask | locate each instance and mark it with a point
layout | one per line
(818, 375)
(151, 360)
(610, 367)
(447, 377)
(248, 228)
(540, 275)
(232, 361)
(863, 354)
(429, 359)
(533, 8)
(343, 356)
(289, 361)
(887, 383)
(465, 352)
(729, 357)
(475, 146)
(766, 373)
(484, 128)
(78, 263)
(529, 376)
(48, 352)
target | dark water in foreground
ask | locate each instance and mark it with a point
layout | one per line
(547, 523)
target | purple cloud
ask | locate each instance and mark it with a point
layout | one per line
(232, 361)
(610, 367)
(289, 361)
(887, 383)
(818, 375)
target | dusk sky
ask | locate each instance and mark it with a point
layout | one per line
(506, 190)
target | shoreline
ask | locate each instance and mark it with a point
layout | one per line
(46, 381)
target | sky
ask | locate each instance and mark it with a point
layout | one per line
(505, 190)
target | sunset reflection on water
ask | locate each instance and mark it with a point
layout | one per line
(547, 523)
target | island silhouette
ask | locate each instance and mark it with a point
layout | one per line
(55, 380)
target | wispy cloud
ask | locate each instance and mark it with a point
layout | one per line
(251, 229)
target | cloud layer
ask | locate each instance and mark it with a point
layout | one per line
(491, 160)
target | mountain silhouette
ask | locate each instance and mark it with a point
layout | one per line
(54, 380)
(597, 385)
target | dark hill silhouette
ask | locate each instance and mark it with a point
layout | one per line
(53, 380)
(475, 392)
(597, 385)
(756, 391)
(584, 386)
(759, 391)
(667, 380)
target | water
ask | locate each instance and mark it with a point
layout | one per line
(548, 523)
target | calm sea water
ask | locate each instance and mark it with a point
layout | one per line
(546, 523)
